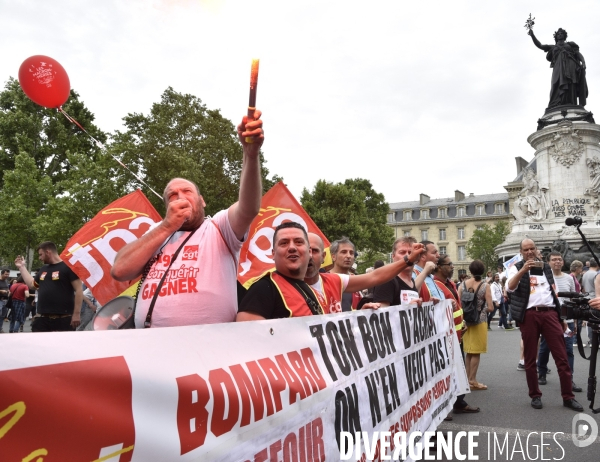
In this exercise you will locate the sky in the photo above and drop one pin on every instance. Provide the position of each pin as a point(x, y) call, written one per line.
point(417, 97)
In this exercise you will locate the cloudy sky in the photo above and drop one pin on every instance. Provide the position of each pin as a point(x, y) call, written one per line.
point(418, 97)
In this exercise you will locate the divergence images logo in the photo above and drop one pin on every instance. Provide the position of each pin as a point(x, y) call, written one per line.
point(190, 252)
point(584, 430)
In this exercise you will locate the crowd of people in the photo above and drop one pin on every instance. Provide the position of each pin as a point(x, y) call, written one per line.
point(208, 291)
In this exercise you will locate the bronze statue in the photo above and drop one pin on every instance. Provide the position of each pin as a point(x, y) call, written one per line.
point(568, 75)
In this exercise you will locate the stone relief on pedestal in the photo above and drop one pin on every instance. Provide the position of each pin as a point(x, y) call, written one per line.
point(593, 165)
point(567, 145)
point(532, 202)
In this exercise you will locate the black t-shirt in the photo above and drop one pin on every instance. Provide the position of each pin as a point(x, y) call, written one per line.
point(55, 291)
point(264, 299)
point(4, 286)
point(390, 291)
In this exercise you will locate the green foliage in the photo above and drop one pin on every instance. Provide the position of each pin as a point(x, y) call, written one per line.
point(44, 134)
point(353, 209)
point(22, 200)
point(182, 138)
point(483, 242)
point(53, 177)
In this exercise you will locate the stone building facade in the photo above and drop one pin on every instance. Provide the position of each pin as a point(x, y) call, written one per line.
point(449, 222)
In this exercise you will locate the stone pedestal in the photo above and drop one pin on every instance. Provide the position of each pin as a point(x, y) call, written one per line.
point(563, 180)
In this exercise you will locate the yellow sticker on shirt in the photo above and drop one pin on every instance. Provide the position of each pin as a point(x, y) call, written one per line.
point(55, 275)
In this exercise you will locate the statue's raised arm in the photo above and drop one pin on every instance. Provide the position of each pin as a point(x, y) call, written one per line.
point(537, 43)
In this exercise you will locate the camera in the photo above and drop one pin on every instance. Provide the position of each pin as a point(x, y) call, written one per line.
point(578, 307)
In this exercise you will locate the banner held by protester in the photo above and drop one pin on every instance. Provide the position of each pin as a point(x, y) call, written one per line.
point(265, 390)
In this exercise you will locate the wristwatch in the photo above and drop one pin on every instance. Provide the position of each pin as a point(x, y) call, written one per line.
point(407, 261)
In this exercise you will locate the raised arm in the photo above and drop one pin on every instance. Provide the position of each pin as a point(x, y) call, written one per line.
point(27, 278)
point(383, 274)
point(537, 43)
point(247, 207)
point(427, 270)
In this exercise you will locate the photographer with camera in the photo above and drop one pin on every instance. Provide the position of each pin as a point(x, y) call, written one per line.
point(535, 306)
point(564, 283)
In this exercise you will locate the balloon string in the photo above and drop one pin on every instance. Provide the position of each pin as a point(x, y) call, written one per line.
point(101, 146)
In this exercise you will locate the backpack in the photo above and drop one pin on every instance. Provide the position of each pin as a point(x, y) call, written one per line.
point(468, 301)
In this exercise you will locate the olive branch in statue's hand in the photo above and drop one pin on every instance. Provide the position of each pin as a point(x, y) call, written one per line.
point(529, 23)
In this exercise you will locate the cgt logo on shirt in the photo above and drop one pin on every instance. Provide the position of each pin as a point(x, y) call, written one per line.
point(190, 252)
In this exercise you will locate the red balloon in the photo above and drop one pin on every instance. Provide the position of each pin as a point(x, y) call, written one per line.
point(45, 81)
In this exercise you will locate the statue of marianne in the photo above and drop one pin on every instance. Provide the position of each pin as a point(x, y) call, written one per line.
point(568, 70)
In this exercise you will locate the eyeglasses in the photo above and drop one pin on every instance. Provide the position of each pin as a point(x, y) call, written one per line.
point(446, 264)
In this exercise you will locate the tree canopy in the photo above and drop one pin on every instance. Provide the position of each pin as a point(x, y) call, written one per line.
point(353, 209)
point(53, 177)
point(483, 242)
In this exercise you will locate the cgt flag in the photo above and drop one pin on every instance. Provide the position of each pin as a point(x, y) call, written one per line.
point(91, 251)
point(277, 205)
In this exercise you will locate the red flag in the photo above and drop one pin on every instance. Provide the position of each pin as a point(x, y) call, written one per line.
point(277, 206)
point(90, 253)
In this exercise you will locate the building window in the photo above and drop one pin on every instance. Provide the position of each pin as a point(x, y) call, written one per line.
point(443, 250)
point(480, 210)
point(499, 208)
point(461, 233)
point(461, 212)
point(461, 253)
point(408, 215)
point(441, 213)
point(442, 234)
point(462, 272)
point(390, 217)
point(424, 214)
point(424, 235)
point(480, 228)
point(406, 233)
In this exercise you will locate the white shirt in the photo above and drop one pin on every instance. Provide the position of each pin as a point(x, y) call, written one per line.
point(540, 291)
point(496, 292)
point(201, 287)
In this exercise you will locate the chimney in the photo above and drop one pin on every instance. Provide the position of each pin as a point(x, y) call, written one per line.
point(458, 195)
point(521, 164)
point(423, 199)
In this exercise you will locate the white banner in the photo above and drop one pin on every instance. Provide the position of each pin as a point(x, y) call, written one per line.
point(254, 391)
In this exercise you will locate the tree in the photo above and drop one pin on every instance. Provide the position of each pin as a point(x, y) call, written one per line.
point(53, 177)
point(45, 134)
point(483, 242)
point(353, 209)
point(182, 138)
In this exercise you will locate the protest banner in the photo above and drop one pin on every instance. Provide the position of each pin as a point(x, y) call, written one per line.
point(254, 391)
point(91, 251)
point(277, 205)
